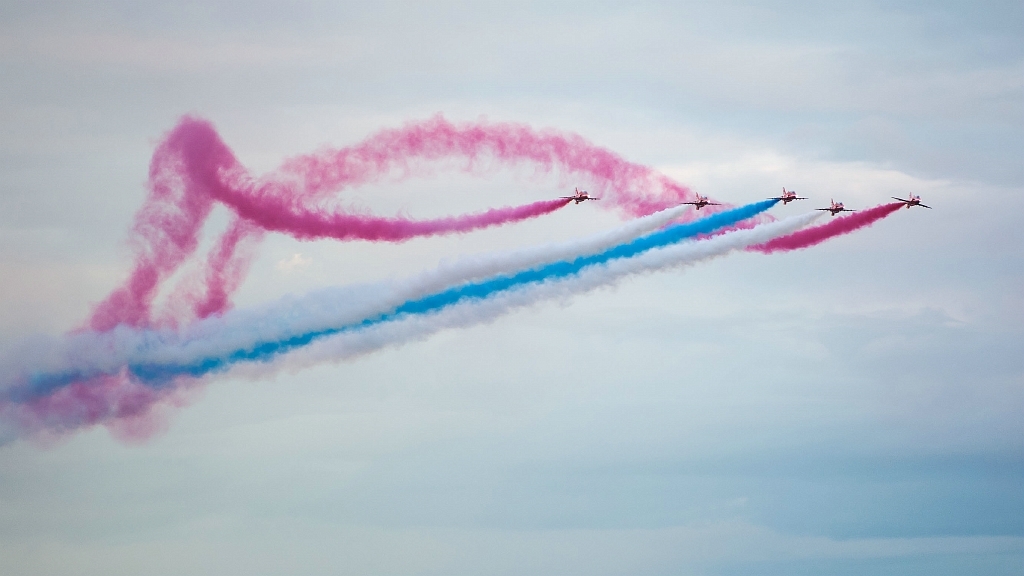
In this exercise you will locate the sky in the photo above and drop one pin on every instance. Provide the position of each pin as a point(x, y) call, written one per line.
point(853, 408)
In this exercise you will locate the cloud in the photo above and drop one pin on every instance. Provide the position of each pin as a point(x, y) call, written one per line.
point(295, 262)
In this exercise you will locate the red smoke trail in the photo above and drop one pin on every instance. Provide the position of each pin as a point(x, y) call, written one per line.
point(192, 168)
point(277, 205)
point(132, 411)
point(635, 189)
point(837, 227)
point(274, 213)
point(226, 267)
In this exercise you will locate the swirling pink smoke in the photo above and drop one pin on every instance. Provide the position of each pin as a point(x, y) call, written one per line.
point(193, 169)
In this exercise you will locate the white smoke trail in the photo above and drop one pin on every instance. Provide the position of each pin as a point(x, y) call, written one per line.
point(351, 344)
point(90, 352)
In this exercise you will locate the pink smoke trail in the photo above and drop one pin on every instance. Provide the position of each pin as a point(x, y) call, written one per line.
point(131, 411)
point(192, 168)
point(166, 228)
point(277, 206)
point(206, 290)
point(818, 234)
point(635, 189)
point(273, 213)
point(226, 267)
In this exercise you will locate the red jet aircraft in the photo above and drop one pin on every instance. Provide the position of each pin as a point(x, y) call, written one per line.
point(788, 196)
point(701, 202)
point(912, 201)
point(835, 208)
point(579, 196)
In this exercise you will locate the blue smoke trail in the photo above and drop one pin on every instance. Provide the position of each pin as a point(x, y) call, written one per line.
point(160, 374)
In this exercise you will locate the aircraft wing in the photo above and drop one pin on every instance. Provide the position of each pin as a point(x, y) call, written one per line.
point(923, 206)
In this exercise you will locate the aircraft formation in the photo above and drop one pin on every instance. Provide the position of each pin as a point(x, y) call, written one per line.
point(786, 197)
point(138, 349)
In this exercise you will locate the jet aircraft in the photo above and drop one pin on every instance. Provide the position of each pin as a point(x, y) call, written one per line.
point(835, 208)
point(912, 201)
point(579, 196)
point(701, 202)
point(788, 196)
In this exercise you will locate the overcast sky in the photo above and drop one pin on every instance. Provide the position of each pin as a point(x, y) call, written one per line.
point(855, 408)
